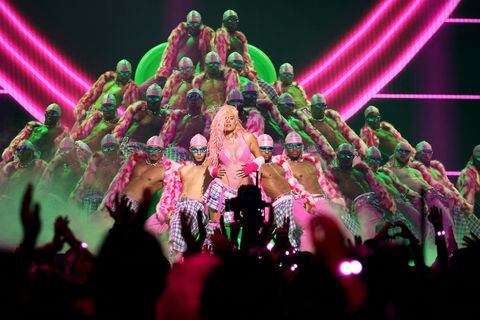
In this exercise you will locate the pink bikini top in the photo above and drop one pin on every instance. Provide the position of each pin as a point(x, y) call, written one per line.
point(237, 152)
point(232, 156)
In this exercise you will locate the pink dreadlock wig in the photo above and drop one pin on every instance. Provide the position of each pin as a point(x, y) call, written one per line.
point(217, 134)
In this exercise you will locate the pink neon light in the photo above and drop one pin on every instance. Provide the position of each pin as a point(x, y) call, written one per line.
point(35, 110)
point(42, 46)
point(398, 24)
point(402, 60)
point(426, 96)
point(2, 91)
point(28, 67)
point(348, 43)
point(453, 173)
point(462, 20)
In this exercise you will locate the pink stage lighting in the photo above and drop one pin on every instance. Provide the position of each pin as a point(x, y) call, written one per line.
point(43, 47)
point(427, 96)
point(354, 37)
point(361, 66)
point(462, 20)
point(376, 48)
point(25, 64)
point(36, 111)
point(29, 63)
point(453, 173)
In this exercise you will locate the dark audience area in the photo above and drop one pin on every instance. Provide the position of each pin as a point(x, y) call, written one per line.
point(259, 275)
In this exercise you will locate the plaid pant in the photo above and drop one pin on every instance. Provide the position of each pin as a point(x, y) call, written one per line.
point(215, 195)
point(351, 223)
point(465, 224)
point(92, 200)
point(189, 207)
point(283, 209)
point(369, 214)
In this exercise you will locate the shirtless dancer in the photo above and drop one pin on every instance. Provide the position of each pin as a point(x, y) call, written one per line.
point(306, 179)
point(380, 134)
point(142, 120)
point(368, 199)
point(101, 170)
point(247, 112)
point(66, 168)
point(401, 167)
point(285, 84)
point(408, 202)
point(119, 83)
point(434, 173)
point(26, 168)
point(139, 173)
point(228, 39)
point(98, 124)
point(190, 39)
point(192, 177)
point(233, 154)
point(44, 137)
point(299, 123)
point(193, 122)
point(261, 110)
point(469, 181)
point(276, 187)
point(265, 90)
point(178, 84)
point(215, 83)
point(174, 99)
point(331, 125)
point(286, 106)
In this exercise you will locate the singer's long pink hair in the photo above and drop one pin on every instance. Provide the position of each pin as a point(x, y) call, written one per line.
point(217, 134)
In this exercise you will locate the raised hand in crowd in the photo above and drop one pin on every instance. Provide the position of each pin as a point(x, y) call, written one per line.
point(125, 216)
point(435, 218)
point(30, 218)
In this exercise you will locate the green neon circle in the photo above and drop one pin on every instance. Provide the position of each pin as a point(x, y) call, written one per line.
point(148, 65)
